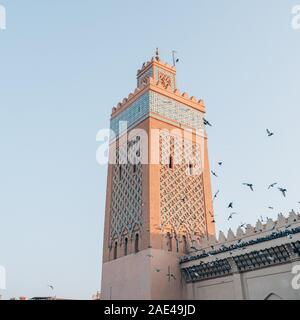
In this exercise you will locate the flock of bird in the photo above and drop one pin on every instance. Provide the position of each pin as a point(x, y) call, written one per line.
point(246, 184)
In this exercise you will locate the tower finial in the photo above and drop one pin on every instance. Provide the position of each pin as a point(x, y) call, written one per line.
point(157, 54)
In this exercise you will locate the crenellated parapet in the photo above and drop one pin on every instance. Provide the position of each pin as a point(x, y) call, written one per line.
point(261, 232)
point(159, 77)
point(159, 87)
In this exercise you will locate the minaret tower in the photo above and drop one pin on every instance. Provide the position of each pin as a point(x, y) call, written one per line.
point(158, 188)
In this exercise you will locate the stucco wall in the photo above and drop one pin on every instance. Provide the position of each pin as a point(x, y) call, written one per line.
point(143, 276)
point(268, 283)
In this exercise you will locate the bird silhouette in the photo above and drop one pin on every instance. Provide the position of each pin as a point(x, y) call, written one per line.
point(250, 185)
point(220, 163)
point(270, 134)
point(230, 206)
point(51, 287)
point(231, 215)
point(272, 185)
point(283, 191)
point(207, 123)
point(214, 174)
point(172, 276)
point(216, 194)
point(271, 208)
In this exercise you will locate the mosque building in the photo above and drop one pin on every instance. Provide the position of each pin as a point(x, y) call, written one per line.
point(159, 237)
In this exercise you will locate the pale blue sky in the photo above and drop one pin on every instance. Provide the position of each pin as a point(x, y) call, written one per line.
point(64, 64)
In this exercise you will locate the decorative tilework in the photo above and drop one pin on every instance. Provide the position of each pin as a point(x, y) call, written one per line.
point(137, 111)
point(146, 75)
point(174, 110)
point(170, 75)
point(163, 106)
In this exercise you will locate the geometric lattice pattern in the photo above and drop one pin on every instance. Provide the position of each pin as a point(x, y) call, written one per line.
point(162, 74)
point(126, 202)
point(181, 187)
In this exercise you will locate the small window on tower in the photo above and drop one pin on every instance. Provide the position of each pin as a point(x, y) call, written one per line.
point(126, 246)
point(169, 241)
point(136, 244)
point(116, 250)
point(190, 169)
point(171, 163)
point(120, 172)
point(134, 168)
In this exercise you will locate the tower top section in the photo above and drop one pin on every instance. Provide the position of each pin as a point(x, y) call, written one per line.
point(159, 77)
point(159, 71)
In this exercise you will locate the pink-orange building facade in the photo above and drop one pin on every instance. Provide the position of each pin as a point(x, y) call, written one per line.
point(158, 189)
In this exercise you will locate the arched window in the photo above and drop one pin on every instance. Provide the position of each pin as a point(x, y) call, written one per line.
point(169, 241)
point(116, 250)
point(126, 246)
point(136, 243)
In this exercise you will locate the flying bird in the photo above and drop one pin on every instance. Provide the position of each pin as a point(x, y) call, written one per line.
point(220, 163)
point(51, 287)
point(214, 174)
point(216, 194)
point(271, 208)
point(171, 276)
point(207, 123)
point(283, 191)
point(230, 205)
point(272, 185)
point(231, 215)
point(270, 134)
point(250, 185)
